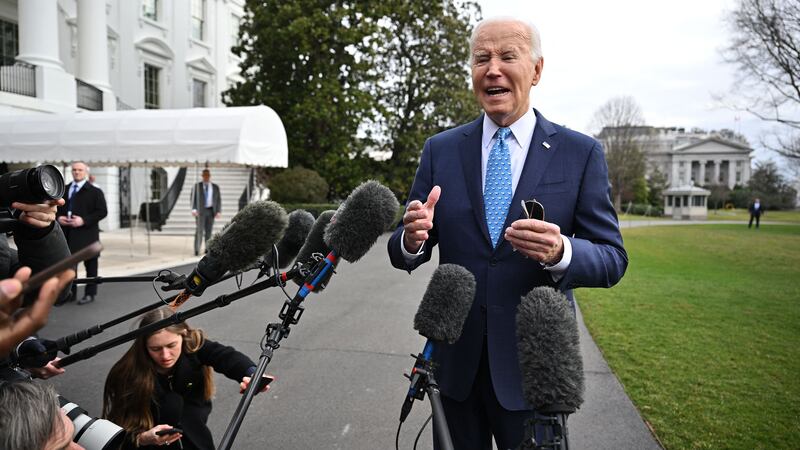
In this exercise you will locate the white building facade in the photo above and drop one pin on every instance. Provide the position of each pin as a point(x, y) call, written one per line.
point(60, 56)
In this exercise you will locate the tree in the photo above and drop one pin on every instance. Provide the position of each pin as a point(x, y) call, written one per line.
point(310, 61)
point(426, 84)
point(353, 78)
point(767, 183)
point(766, 52)
point(656, 183)
point(621, 126)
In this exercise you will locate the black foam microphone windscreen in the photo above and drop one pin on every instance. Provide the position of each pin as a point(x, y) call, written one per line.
point(366, 213)
point(549, 350)
point(314, 241)
point(249, 235)
point(446, 303)
point(300, 223)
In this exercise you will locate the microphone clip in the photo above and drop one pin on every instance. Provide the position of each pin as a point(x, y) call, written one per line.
point(421, 377)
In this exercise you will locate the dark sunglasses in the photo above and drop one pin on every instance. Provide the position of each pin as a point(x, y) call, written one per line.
point(533, 209)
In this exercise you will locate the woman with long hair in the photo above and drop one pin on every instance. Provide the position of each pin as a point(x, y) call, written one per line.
point(160, 391)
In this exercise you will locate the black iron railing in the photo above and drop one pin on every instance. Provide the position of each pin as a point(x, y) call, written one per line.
point(19, 78)
point(89, 96)
point(160, 210)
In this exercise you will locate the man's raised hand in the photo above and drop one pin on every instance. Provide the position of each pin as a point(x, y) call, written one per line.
point(418, 219)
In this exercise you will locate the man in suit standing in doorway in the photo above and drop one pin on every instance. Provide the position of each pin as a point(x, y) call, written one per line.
point(84, 207)
point(475, 178)
point(206, 206)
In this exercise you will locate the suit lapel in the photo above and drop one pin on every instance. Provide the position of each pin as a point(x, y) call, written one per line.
point(536, 163)
point(470, 149)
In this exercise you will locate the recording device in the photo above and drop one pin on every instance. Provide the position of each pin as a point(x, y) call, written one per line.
point(357, 224)
point(251, 233)
point(440, 318)
point(551, 364)
point(168, 431)
point(90, 432)
point(314, 247)
point(300, 224)
point(34, 352)
point(35, 185)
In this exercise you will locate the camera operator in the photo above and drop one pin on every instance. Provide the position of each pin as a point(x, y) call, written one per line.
point(31, 418)
point(40, 243)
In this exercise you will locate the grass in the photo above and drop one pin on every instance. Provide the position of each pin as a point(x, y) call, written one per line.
point(704, 333)
point(742, 214)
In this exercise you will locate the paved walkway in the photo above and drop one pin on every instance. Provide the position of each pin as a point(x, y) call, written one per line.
point(607, 420)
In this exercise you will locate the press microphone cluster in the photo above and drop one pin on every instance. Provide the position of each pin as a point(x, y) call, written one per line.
point(298, 229)
point(551, 364)
point(250, 234)
point(440, 318)
point(349, 233)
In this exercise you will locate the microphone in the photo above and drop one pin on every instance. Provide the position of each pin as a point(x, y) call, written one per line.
point(300, 224)
point(314, 242)
point(550, 360)
point(440, 318)
point(366, 213)
point(251, 233)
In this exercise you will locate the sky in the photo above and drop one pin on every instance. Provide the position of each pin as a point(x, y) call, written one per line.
point(666, 55)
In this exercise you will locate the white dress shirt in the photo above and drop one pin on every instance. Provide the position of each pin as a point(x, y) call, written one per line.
point(522, 132)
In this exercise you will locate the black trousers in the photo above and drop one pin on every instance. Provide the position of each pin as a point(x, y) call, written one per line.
point(474, 421)
point(91, 271)
point(758, 219)
point(205, 227)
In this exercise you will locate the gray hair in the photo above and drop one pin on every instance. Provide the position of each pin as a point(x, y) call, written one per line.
point(29, 415)
point(535, 40)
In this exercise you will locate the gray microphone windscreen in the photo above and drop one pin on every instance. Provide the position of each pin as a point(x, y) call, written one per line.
point(366, 213)
point(300, 223)
point(446, 303)
point(250, 234)
point(314, 241)
point(549, 350)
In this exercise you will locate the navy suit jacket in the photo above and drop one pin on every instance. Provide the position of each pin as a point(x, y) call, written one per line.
point(570, 179)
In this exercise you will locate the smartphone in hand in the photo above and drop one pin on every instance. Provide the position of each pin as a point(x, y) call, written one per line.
point(168, 431)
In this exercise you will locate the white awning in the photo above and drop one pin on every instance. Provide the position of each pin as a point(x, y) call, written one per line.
point(250, 136)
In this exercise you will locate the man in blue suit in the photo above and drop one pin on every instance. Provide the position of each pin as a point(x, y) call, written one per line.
point(469, 173)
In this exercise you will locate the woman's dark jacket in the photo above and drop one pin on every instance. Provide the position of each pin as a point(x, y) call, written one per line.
point(178, 397)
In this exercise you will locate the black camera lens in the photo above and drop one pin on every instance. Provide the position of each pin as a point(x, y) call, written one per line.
point(35, 185)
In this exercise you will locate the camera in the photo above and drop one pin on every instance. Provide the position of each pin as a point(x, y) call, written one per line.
point(90, 432)
point(35, 185)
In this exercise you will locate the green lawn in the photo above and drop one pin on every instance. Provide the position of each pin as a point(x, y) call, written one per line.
point(704, 333)
point(743, 214)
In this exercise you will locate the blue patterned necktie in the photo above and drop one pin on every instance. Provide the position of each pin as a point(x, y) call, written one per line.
point(497, 190)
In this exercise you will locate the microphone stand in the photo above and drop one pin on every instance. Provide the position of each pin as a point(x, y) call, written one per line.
point(422, 381)
point(290, 314)
point(552, 423)
point(219, 302)
point(63, 344)
point(101, 280)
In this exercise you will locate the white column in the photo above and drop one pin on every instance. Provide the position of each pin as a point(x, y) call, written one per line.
point(674, 182)
point(717, 163)
point(731, 173)
point(38, 45)
point(702, 178)
point(93, 49)
point(38, 33)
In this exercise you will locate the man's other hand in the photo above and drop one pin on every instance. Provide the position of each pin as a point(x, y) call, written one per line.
point(536, 239)
point(38, 215)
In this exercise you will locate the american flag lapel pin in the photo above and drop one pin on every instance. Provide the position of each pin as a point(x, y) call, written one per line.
point(545, 144)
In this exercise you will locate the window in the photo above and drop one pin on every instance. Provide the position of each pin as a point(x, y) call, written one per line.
point(9, 43)
point(150, 9)
point(669, 200)
point(151, 87)
point(697, 200)
point(198, 93)
point(234, 30)
point(198, 19)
